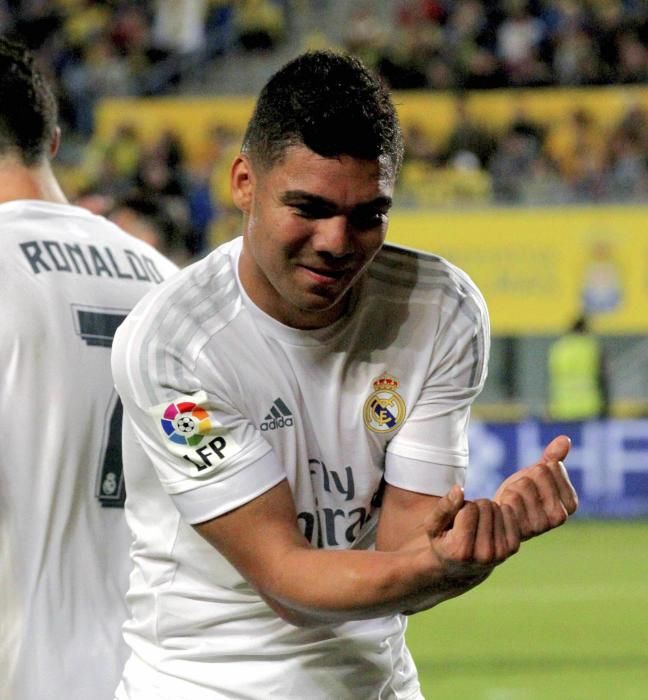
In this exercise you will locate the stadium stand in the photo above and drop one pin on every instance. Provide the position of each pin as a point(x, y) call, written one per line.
point(513, 103)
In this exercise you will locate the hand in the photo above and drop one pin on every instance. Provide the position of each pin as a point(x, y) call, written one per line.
point(467, 540)
point(541, 495)
point(471, 537)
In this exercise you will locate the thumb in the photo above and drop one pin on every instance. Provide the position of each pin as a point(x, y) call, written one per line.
point(444, 512)
point(557, 449)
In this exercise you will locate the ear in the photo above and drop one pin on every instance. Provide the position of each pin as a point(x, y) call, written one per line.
point(55, 142)
point(242, 182)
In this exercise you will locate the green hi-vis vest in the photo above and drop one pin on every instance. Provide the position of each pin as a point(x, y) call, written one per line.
point(574, 378)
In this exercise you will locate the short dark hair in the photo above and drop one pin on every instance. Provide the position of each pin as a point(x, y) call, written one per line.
point(28, 111)
point(328, 102)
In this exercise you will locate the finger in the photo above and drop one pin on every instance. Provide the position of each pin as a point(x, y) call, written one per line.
point(484, 550)
point(461, 539)
point(511, 498)
point(444, 512)
point(557, 450)
point(568, 494)
point(546, 478)
point(511, 529)
point(524, 498)
point(499, 535)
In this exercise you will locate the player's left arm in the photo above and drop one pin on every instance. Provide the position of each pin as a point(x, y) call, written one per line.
point(532, 501)
point(540, 496)
point(430, 452)
point(404, 516)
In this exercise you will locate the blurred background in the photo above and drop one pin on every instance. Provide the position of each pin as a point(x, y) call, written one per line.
point(526, 127)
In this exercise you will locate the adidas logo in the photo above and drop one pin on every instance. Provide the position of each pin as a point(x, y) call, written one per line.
point(279, 417)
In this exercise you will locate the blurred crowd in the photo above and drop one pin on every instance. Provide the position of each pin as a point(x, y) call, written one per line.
point(105, 48)
point(477, 44)
point(93, 49)
point(569, 161)
point(98, 48)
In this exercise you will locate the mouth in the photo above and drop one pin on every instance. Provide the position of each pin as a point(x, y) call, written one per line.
point(326, 275)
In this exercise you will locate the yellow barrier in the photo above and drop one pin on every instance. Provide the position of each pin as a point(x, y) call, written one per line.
point(433, 112)
point(536, 267)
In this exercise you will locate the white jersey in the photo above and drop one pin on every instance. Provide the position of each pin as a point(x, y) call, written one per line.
point(67, 279)
point(224, 402)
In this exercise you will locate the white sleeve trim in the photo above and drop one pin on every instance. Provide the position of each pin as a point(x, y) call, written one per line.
point(453, 458)
point(219, 497)
point(423, 477)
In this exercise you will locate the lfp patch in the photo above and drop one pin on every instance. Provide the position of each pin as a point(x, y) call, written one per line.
point(185, 423)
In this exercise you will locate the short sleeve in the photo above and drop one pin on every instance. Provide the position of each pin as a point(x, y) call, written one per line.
point(430, 452)
point(207, 458)
point(207, 455)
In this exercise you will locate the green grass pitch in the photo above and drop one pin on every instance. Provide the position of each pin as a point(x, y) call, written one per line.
point(565, 619)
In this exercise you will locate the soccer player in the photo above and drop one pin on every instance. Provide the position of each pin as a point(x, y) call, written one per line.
point(67, 280)
point(297, 409)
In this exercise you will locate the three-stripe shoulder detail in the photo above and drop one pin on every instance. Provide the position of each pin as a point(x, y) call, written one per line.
point(196, 304)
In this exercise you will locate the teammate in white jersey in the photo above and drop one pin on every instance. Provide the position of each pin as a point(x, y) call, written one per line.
point(67, 279)
point(297, 410)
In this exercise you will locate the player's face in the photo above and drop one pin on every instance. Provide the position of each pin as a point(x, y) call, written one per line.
point(312, 226)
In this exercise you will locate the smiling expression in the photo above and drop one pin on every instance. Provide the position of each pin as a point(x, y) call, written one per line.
point(312, 225)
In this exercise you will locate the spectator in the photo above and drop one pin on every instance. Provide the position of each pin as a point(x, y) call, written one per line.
point(97, 49)
point(260, 24)
point(512, 164)
point(633, 59)
point(111, 166)
point(578, 388)
point(518, 41)
point(141, 218)
point(575, 60)
point(628, 162)
point(578, 148)
point(365, 36)
point(468, 136)
point(157, 182)
point(468, 46)
point(203, 211)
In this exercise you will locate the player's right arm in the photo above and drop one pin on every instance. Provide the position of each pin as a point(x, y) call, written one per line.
point(460, 545)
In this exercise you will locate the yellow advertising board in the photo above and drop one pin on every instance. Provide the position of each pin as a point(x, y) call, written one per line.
point(538, 268)
point(435, 112)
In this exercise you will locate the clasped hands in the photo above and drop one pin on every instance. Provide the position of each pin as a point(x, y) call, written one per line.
point(469, 538)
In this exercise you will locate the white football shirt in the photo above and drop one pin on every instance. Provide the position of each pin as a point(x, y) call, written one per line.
point(224, 402)
point(67, 280)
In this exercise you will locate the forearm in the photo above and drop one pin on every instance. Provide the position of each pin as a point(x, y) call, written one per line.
point(305, 585)
point(308, 586)
point(428, 599)
point(336, 586)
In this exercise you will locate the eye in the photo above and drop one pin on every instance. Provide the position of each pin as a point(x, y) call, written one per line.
point(365, 220)
point(312, 211)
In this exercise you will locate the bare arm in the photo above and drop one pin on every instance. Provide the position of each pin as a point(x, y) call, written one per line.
point(532, 501)
point(306, 585)
point(429, 548)
point(406, 515)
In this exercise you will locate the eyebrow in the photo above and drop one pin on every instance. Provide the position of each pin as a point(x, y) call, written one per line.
point(292, 197)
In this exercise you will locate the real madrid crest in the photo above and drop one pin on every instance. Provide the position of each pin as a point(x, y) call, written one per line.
point(384, 410)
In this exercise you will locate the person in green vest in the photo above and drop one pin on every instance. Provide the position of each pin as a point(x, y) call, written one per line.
point(577, 380)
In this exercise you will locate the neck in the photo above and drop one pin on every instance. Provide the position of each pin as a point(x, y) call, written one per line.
point(18, 181)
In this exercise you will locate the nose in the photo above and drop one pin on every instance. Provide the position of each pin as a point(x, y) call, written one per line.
point(333, 237)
